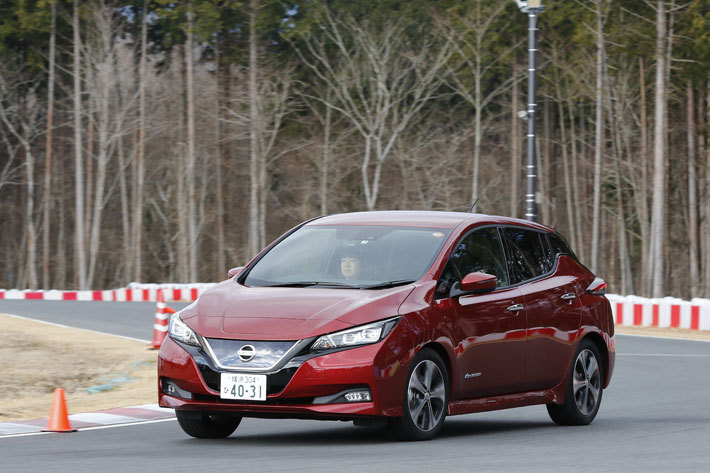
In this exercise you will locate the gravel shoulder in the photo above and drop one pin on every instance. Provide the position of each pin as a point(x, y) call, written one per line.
point(98, 371)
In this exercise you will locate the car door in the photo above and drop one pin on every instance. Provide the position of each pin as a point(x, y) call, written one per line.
point(491, 347)
point(552, 306)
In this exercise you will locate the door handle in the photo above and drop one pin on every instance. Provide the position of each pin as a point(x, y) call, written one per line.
point(568, 296)
point(515, 307)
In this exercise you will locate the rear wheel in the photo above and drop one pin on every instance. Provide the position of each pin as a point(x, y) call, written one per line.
point(584, 388)
point(203, 425)
point(426, 398)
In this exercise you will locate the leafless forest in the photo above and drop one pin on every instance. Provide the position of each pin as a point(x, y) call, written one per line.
point(172, 145)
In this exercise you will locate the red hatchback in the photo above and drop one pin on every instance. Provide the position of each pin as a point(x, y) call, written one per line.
point(405, 317)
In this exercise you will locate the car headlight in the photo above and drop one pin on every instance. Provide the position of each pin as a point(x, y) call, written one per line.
point(362, 335)
point(178, 330)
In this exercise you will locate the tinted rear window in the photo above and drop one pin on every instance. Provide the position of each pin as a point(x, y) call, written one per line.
point(528, 254)
point(560, 246)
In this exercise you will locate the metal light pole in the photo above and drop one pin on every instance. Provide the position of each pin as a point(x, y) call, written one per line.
point(532, 8)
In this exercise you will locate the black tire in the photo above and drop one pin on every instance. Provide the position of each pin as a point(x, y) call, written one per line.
point(424, 405)
point(584, 388)
point(204, 425)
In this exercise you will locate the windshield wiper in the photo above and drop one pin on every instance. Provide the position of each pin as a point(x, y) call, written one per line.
point(384, 285)
point(313, 284)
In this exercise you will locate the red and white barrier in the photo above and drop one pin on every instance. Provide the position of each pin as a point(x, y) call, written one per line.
point(133, 293)
point(664, 312)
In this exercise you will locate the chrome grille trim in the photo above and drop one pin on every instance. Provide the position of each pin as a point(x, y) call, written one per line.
point(297, 347)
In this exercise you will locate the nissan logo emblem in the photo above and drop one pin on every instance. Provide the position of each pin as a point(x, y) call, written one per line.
point(246, 353)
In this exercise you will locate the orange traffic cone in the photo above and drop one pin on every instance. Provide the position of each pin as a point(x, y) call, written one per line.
point(160, 326)
point(58, 418)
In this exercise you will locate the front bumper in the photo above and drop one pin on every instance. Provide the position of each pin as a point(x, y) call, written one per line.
point(292, 389)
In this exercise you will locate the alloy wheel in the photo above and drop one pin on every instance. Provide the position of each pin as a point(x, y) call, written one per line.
point(426, 395)
point(586, 382)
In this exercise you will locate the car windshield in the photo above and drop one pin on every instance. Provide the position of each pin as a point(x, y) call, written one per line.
point(349, 256)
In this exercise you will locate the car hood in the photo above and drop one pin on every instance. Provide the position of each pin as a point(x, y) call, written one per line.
point(231, 310)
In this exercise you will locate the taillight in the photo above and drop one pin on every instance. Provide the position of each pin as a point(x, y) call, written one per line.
point(597, 288)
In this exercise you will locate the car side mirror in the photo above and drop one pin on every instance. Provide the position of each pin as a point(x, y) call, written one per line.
point(478, 283)
point(234, 271)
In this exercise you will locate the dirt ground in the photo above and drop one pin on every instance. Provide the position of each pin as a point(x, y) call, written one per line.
point(97, 371)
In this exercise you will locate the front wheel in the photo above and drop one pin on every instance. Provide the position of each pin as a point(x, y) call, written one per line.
point(426, 398)
point(203, 425)
point(584, 388)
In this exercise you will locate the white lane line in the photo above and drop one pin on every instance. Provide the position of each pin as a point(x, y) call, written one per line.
point(665, 354)
point(76, 328)
point(92, 428)
point(681, 339)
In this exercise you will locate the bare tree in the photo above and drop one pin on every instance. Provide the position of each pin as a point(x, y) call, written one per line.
point(692, 193)
point(20, 113)
point(137, 233)
point(656, 253)
point(46, 200)
point(107, 118)
point(79, 246)
point(255, 160)
point(598, 140)
point(377, 82)
point(190, 163)
point(471, 35)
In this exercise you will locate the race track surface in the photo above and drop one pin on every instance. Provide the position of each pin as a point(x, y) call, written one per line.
point(655, 416)
point(129, 319)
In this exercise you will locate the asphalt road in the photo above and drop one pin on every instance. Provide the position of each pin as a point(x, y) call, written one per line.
point(655, 416)
point(129, 319)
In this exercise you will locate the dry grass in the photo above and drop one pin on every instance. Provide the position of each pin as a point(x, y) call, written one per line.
point(37, 358)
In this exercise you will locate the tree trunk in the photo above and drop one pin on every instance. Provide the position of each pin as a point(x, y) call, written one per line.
point(222, 77)
point(31, 231)
point(656, 255)
point(598, 144)
point(575, 184)
point(182, 235)
point(140, 155)
point(566, 166)
point(79, 247)
point(190, 167)
point(476, 132)
point(515, 144)
point(94, 236)
point(627, 286)
point(692, 194)
point(46, 200)
point(254, 217)
point(643, 197)
point(60, 273)
point(89, 178)
point(326, 157)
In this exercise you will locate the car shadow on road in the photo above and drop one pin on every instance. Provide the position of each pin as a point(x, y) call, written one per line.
point(371, 435)
point(473, 427)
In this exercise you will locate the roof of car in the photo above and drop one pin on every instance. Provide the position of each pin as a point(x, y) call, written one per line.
point(420, 218)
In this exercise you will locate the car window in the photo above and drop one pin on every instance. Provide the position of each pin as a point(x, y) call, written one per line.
point(357, 256)
point(528, 254)
point(560, 246)
point(480, 251)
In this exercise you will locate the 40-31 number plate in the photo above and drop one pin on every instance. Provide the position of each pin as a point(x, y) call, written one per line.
point(250, 387)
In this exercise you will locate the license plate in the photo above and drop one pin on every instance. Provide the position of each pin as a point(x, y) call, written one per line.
point(250, 387)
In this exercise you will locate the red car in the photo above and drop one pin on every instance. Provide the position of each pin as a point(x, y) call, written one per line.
point(405, 317)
